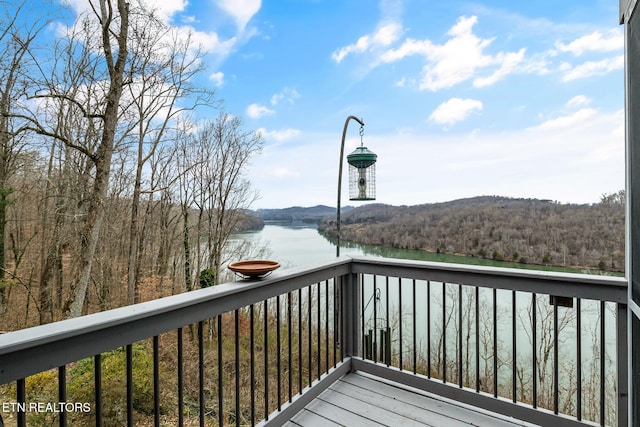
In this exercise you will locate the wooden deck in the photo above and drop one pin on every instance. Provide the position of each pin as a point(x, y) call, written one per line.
point(359, 399)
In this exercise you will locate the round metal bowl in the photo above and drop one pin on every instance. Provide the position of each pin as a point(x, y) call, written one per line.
point(253, 268)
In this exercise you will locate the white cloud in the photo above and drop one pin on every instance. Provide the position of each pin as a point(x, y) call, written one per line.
point(279, 135)
point(384, 36)
point(508, 63)
point(455, 110)
point(566, 122)
point(458, 59)
point(255, 111)
point(592, 68)
point(577, 164)
point(578, 101)
point(287, 95)
point(217, 78)
point(241, 10)
point(611, 41)
point(284, 172)
point(167, 11)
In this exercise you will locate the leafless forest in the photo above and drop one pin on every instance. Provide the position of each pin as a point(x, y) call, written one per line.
point(121, 178)
point(527, 231)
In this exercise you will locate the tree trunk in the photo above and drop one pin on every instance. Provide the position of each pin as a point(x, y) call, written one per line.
point(103, 157)
point(133, 294)
point(187, 246)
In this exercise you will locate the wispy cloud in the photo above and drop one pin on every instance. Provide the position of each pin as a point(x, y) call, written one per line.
point(466, 56)
point(385, 35)
point(241, 10)
point(280, 135)
point(611, 41)
point(579, 101)
point(287, 95)
point(255, 111)
point(284, 172)
point(217, 78)
point(462, 57)
point(592, 68)
point(455, 110)
point(568, 121)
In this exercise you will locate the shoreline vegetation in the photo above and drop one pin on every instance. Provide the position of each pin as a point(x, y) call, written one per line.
point(530, 232)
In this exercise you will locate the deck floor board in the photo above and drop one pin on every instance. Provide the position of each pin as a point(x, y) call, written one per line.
point(359, 399)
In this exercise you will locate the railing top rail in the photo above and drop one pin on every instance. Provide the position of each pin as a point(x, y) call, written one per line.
point(33, 350)
point(588, 286)
point(28, 351)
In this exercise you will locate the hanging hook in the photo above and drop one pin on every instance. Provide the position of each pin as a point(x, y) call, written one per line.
point(362, 135)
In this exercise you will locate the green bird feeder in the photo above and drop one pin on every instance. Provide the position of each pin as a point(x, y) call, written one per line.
point(362, 174)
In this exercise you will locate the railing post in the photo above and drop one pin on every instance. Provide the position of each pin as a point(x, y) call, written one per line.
point(350, 296)
point(622, 361)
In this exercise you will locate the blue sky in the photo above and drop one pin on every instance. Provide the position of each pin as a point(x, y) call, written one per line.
point(459, 98)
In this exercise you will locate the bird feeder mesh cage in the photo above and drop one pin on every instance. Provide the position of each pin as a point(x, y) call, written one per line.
point(362, 174)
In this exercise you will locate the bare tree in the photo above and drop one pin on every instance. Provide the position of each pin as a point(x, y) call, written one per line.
point(228, 192)
point(163, 67)
point(16, 62)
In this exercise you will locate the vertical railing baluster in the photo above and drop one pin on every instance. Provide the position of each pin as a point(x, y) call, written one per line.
point(387, 343)
point(444, 332)
point(300, 340)
point(534, 350)
point(289, 343)
point(335, 321)
point(278, 351)
point(477, 331)
point(156, 382)
point(622, 362)
point(415, 339)
point(495, 342)
point(220, 373)
point(201, 372)
point(326, 325)
point(374, 338)
point(97, 365)
point(603, 378)
point(556, 370)
point(362, 324)
point(514, 377)
point(579, 359)
point(459, 335)
point(180, 381)
point(400, 320)
point(428, 329)
point(252, 360)
point(310, 331)
point(339, 317)
point(265, 348)
point(236, 333)
point(129, 374)
point(62, 393)
point(21, 398)
point(318, 330)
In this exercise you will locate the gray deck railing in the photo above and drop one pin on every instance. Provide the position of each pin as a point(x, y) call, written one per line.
point(253, 352)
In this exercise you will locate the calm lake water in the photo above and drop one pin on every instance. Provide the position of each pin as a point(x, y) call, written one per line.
point(299, 245)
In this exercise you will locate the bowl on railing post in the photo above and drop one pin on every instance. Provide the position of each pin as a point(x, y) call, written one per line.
point(253, 269)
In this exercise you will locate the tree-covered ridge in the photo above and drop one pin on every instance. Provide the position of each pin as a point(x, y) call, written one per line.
point(529, 231)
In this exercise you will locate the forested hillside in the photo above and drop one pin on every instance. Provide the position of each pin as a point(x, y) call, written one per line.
point(521, 230)
point(121, 178)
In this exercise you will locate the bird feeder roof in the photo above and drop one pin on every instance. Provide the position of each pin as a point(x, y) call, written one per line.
point(362, 157)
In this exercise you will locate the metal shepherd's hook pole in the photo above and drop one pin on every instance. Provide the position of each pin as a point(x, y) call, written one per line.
point(344, 134)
